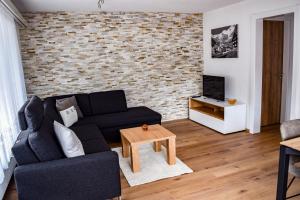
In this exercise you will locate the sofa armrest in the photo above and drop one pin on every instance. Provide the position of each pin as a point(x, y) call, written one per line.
point(93, 176)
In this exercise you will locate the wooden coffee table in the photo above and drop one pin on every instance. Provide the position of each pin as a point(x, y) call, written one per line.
point(133, 137)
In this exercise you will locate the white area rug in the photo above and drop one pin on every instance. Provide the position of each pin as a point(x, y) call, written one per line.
point(153, 166)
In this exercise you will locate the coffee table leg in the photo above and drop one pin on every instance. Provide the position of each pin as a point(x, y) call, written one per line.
point(125, 147)
point(135, 160)
point(171, 148)
point(157, 146)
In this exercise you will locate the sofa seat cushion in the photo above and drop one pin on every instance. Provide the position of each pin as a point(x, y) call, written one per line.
point(112, 134)
point(86, 132)
point(135, 115)
point(95, 145)
point(91, 138)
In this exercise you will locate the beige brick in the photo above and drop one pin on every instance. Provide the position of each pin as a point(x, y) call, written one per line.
point(157, 58)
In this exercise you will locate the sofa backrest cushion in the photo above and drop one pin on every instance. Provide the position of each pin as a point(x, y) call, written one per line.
point(22, 118)
point(22, 151)
point(44, 143)
point(50, 111)
point(108, 102)
point(34, 113)
point(82, 101)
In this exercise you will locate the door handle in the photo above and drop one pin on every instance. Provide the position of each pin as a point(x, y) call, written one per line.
point(281, 76)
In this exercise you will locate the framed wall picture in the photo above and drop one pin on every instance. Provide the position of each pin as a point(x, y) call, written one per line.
point(224, 42)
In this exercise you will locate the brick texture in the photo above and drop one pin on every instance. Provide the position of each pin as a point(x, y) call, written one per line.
point(157, 58)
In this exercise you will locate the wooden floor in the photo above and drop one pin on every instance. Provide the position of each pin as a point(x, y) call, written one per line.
point(238, 166)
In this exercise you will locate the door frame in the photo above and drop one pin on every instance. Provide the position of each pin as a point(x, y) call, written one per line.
point(256, 57)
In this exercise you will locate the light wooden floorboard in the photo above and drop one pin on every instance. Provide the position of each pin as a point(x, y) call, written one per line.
point(237, 166)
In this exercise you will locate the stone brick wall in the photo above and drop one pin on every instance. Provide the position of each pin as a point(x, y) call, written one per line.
point(157, 58)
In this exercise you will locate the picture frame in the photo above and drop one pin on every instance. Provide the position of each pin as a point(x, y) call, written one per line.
point(224, 42)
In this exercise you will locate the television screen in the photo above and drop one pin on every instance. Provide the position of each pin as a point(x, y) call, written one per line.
point(214, 87)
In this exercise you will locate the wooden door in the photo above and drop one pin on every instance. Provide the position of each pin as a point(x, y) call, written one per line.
point(272, 72)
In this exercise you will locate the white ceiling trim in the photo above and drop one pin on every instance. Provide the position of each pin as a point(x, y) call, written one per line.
point(181, 6)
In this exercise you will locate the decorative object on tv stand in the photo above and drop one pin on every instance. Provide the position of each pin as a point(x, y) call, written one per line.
point(224, 42)
point(231, 101)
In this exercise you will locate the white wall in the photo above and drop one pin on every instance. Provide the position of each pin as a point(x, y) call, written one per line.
point(287, 66)
point(239, 82)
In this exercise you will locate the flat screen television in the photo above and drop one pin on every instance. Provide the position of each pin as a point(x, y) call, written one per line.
point(214, 87)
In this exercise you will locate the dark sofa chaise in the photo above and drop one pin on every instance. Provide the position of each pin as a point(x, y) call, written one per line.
point(43, 171)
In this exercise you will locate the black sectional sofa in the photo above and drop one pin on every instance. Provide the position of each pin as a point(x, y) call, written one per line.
point(43, 171)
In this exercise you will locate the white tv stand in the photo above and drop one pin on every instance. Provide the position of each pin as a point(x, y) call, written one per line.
point(218, 115)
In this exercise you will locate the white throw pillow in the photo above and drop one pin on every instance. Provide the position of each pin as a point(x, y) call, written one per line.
point(69, 116)
point(68, 140)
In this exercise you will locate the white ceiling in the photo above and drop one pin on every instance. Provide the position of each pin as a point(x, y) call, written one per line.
point(183, 6)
